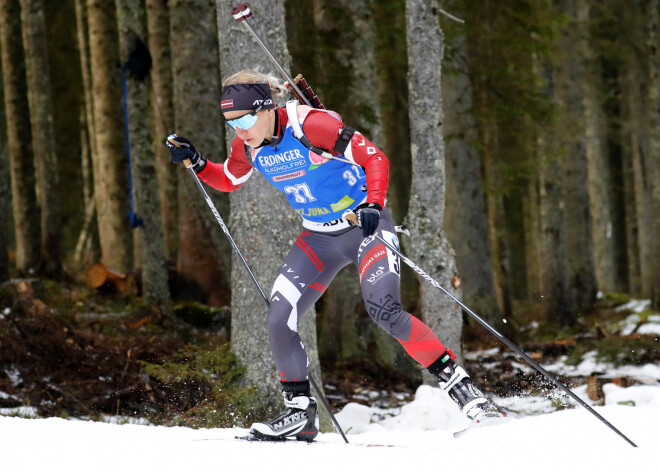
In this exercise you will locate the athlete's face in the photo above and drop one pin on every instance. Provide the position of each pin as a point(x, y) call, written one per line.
point(253, 128)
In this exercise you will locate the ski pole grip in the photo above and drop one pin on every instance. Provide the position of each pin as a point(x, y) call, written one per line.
point(186, 162)
point(352, 218)
point(241, 12)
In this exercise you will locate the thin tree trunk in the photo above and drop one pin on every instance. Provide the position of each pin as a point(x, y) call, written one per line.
point(430, 247)
point(260, 218)
point(553, 272)
point(158, 24)
point(5, 196)
point(630, 163)
point(599, 171)
point(653, 25)
point(638, 133)
point(132, 36)
point(19, 139)
point(87, 248)
point(110, 168)
point(43, 136)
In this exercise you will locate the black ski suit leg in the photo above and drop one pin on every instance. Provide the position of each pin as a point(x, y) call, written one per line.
point(308, 269)
point(379, 270)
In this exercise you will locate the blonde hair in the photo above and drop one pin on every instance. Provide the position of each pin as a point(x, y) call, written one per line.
point(278, 90)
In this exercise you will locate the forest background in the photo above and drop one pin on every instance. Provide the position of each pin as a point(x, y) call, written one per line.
point(523, 139)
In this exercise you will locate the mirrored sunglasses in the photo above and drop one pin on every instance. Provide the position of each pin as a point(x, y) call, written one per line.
point(244, 122)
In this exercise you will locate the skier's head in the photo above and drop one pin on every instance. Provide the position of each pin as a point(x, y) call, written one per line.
point(248, 101)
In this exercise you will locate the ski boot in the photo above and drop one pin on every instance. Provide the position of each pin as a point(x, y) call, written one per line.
point(300, 420)
point(467, 396)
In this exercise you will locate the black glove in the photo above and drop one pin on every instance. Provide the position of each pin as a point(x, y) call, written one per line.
point(182, 149)
point(368, 216)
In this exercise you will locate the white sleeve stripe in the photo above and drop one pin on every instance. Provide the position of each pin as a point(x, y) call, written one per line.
point(234, 180)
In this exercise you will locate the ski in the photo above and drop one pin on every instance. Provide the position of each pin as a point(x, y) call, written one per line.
point(252, 438)
point(482, 422)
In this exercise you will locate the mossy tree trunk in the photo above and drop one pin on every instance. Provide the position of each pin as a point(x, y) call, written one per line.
point(43, 137)
point(19, 139)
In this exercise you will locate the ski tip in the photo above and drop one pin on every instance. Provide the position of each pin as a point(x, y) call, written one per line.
point(479, 423)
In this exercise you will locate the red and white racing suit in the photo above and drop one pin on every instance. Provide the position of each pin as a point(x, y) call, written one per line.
point(323, 248)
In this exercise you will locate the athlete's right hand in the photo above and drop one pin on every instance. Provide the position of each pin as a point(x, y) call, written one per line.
point(181, 149)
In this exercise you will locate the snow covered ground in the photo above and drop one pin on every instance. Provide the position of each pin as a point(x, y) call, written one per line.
point(539, 437)
point(421, 434)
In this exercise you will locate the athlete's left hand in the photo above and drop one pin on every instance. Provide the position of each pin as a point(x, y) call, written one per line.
point(368, 216)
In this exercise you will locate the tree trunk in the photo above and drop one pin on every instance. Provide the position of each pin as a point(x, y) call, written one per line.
point(554, 285)
point(5, 197)
point(609, 53)
point(430, 248)
point(203, 254)
point(88, 249)
point(110, 168)
point(482, 52)
point(465, 212)
point(132, 35)
point(260, 218)
point(599, 171)
point(637, 118)
point(19, 139)
point(392, 61)
point(158, 23)
point(43, 136)
point(346, 40)
point(653, 25)
point(576, 203)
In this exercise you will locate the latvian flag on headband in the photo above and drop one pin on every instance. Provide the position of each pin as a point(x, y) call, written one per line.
point(226, 104)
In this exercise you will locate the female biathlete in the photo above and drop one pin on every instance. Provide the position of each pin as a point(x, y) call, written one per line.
point(277, 142)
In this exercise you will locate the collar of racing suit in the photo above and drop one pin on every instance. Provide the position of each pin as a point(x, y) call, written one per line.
point(280, 126)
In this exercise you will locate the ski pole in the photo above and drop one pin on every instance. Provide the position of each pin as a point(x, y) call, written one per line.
point(353, 219)
point(225, 229)
point(242, 13)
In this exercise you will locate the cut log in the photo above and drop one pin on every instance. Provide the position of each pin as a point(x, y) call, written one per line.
point(98, 275)
point(595, 386)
